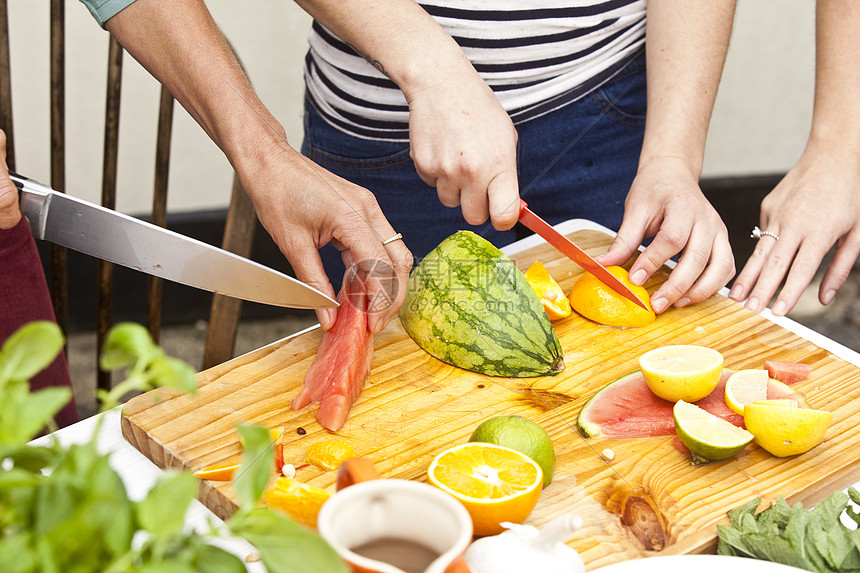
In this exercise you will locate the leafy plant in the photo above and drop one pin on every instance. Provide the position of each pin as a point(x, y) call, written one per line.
point(814, 539)
point(65, 509)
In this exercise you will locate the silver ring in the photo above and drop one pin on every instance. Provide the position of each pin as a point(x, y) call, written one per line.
point(397, 237)
point(758, 234)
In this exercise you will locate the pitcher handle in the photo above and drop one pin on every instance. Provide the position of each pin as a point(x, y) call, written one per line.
point(355, 470)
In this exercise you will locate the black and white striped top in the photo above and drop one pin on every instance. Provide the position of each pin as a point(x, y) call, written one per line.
point(536, 55)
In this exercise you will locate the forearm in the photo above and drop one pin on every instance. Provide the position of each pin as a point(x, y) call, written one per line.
point(836, 116)
point(686, 49)
point(398, 38)
point(180, 45)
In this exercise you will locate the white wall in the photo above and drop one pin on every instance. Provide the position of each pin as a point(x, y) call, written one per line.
point(764, 104)
point(759, 126)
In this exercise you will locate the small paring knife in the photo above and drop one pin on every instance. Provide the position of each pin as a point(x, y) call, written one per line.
point(130, 242)
point(577, 255)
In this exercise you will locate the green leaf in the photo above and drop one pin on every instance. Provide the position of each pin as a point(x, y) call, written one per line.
point(33, 458)
point(24, 414)
point(173, 373)
point(29, 350)
point(162, 512)
point(211, 559)
point(168, 567)
point(17, 554)
point(256, 466)
point(125, 344)
point(284, 546)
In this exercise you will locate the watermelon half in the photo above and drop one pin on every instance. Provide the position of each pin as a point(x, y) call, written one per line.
point(627, 408)
point(468, 305)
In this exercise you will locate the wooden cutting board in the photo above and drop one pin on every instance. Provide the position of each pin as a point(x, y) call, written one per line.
point(649, 500)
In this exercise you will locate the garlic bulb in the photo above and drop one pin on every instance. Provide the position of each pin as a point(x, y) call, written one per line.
point(525, 548)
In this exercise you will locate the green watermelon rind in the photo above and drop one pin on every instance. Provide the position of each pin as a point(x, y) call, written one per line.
point(592, 429)
point(469, 306)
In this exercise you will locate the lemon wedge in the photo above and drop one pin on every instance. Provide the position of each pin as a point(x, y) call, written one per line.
point(708, 437)
point(785, 431)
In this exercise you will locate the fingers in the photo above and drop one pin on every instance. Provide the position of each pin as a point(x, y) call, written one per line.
point(306, 263)
point(10, 212)
point(839, 269)
point(504, 195)
point(704, 267)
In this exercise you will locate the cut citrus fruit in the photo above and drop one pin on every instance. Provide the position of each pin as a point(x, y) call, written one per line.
point(301, 501)
point(496, 484)
point(327, 455)
point(683, 372)
point(222, 471)
point(550, 294)
point(519, 434)
point(786, 431)
point(784, 402)
point(745, 387)
point(596, 301)
point(708, 437)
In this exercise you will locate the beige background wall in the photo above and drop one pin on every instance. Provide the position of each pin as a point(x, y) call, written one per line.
point(759, 126)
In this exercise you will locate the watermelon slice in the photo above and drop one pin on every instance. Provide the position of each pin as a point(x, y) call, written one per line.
point(626, 408)
point(788, 372)
point(342, 364)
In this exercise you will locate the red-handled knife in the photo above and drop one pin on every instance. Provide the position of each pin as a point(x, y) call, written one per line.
point(577, 255)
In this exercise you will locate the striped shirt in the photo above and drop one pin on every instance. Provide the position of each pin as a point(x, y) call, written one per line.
point(536, 55)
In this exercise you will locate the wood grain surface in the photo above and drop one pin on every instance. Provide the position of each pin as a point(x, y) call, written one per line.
point(649, 500)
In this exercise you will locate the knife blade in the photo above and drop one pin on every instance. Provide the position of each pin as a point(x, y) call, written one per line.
point(566, 246)
point(124, 240)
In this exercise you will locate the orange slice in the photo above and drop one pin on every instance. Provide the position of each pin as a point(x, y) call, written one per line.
point(301, 501)
point(328, 455)
point(494, 483)
point(596, 301)
point(222, 471)
point(549, 293)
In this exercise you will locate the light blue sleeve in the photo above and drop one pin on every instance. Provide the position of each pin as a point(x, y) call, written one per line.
point(104, 10)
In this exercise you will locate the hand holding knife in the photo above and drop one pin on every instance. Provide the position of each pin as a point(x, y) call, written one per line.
point(580, 257)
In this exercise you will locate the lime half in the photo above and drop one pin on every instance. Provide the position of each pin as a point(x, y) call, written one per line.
point(708, 437)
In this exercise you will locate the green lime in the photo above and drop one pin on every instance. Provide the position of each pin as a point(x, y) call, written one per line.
point(708, 437)
point(519, 434)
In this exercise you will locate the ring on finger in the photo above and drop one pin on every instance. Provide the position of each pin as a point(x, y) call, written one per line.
point(397, 237)
point(758, 234)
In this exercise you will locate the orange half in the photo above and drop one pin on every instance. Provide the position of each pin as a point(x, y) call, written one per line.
point(596, 301)
point(496, 484)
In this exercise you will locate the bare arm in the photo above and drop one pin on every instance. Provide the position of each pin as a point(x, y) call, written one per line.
point(685, 50)
point(301, 205)
point(462, 140)
point(817, 204)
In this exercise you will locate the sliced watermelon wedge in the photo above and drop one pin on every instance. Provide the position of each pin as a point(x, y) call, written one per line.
point(788, 372)
point(626, 408)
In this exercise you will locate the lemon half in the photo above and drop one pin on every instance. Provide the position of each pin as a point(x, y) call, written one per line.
point(683, 372)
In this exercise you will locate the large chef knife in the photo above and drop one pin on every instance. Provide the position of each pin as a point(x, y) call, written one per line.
point(130, 242)
point(580, 257)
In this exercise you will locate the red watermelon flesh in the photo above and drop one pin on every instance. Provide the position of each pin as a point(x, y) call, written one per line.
point(342, 364)
point(627, 408)
point(787, 372)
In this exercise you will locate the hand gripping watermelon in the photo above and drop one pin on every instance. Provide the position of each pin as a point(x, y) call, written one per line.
point(468, 305)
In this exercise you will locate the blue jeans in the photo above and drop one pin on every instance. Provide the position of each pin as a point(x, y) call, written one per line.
point(576, 162)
